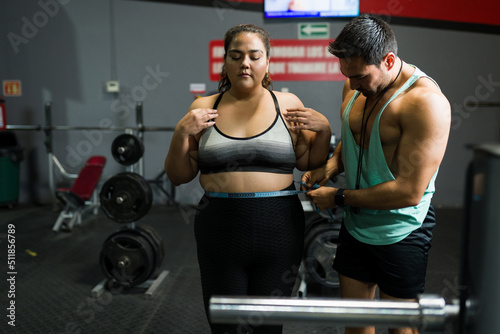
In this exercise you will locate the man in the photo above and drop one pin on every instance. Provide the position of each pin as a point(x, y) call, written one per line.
point(395, 127)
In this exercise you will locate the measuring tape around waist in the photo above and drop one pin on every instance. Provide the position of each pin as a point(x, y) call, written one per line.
point(278, 193)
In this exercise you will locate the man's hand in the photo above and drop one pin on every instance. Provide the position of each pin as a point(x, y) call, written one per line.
point(315, 176)
point(323, 197)
point(307, 119)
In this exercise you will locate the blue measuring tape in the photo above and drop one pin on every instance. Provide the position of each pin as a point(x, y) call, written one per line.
point(255, 195)
point(278, 193)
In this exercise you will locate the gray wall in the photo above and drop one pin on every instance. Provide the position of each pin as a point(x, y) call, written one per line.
point(76, 46)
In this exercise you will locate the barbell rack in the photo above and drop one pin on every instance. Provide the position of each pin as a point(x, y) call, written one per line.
point(48, 127)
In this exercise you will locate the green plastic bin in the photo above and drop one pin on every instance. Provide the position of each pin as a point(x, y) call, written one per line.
point(10, 157)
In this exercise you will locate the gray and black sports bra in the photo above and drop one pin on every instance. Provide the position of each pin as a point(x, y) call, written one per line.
point(270, 151)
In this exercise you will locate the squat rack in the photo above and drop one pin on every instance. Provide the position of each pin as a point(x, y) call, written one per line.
point(53, 161)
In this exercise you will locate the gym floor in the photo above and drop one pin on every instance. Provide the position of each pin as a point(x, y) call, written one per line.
point(56, 272)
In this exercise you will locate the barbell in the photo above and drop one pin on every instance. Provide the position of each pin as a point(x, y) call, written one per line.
point(430, 313)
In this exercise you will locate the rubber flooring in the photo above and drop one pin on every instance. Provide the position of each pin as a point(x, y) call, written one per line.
point(54, 274)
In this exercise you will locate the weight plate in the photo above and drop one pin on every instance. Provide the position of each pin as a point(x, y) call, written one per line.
point(154, 239)
point(127, 149)
point(130, 256)
point(127, 258)
point(126, 197)
point(321, 246)
point(312, 222)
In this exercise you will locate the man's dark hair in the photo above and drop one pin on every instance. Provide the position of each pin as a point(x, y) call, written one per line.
point(367, 36)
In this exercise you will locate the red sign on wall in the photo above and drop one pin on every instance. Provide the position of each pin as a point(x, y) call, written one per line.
point(12, 88)
point(291, 60)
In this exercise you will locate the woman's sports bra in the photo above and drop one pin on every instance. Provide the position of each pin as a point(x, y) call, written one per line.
point(270, 151)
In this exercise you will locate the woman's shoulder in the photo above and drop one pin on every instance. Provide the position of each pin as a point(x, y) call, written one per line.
point(288, 100)
point(204, 102)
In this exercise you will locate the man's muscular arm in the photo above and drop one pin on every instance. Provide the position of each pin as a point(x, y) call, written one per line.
point(425, 124)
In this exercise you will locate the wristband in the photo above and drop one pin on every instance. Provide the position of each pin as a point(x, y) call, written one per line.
point(340, 198)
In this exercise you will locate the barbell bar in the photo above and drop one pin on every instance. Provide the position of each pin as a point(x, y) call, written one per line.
point(69, 128)
point(49, 127)
point(430, 313)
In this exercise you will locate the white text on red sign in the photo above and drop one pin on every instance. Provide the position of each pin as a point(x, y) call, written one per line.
point(291, 60)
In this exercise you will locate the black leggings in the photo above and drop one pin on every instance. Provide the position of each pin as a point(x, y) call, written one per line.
point(250, 247)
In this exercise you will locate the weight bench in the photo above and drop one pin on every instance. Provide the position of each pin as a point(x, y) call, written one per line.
point(82, 196)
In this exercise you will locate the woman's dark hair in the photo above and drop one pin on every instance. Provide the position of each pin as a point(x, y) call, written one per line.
point(367, 36)
point(224, 83)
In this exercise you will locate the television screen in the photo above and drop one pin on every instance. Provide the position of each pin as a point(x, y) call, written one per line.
point(310, 8)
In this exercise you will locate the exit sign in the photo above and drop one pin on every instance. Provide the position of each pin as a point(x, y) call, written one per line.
point(12, 88)
point(314, 30)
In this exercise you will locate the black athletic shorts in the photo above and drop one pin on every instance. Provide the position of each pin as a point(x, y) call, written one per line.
point(398, 269)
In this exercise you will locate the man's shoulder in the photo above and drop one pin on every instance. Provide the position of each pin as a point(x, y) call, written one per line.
point(423, 98)
point(423, 89)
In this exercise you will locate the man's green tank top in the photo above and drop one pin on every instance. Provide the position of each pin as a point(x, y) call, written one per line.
point(378, 227)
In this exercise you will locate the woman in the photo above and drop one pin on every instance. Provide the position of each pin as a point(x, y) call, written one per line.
point(239, 141)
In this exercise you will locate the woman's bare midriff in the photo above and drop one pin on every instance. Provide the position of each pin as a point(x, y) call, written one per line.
point(243, 182)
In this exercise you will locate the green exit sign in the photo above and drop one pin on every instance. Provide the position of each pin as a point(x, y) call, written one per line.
point(314, 30)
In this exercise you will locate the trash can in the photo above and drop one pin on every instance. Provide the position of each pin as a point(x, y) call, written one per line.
point(10, 157)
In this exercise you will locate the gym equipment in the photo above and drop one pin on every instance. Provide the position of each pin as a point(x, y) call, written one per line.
point(127, 149)
point(10, 157)
point(320, 247)
point(126, 197)
point(320, 244)
point(82, 196)
point(429, 314)
point(3, 120)
point(480, 274)
point(54, 164)
point(131, 255)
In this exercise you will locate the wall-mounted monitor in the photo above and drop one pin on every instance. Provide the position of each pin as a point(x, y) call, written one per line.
point(310, 8)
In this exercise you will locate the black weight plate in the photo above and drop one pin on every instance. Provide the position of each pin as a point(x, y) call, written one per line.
point(126, 197)
point(141, 182)
point(321, 246)
point(154, 239)
point(127, 258)
point(127, 149)
point(313, 221)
